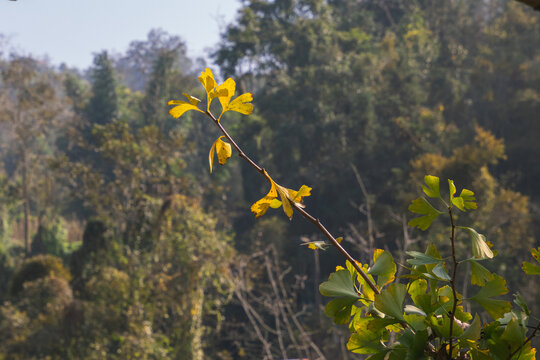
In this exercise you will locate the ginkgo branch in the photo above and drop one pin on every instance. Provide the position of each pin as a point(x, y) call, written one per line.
point(304, 213)
point(452, 282)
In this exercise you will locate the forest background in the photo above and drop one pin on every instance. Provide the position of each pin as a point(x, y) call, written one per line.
point(116, 242)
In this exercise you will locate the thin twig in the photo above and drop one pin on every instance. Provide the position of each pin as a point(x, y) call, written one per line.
point(304, 213)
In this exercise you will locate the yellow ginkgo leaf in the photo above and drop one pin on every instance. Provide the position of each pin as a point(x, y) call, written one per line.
point(208, 82)
point(225, 92)
point(283, 194)
point(260, 207)
point(304, 191)
point(211, 155)
point(223, 151)
point(316, 245)
point(180, 108)
point(275, 203)
point(242, 104)
point(192, 99)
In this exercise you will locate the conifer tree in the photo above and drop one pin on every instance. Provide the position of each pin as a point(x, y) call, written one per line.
point(103, 106)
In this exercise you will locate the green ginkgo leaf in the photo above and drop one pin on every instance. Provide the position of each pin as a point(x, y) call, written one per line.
point(532, 269)
point(468, 199)
point(432, 189)
point(473, 332)
point(451, 188)
point(339, 284)
point(390, 300)
point(479, 274)
point(440, 272)
point(340, 309)
point(495, 287)
point(421, 258)
point(384, 267)
point(423, 207)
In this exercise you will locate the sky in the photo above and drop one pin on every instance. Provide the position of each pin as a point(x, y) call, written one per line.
point(70, 31)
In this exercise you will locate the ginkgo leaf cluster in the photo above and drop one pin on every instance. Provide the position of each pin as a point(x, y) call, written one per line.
point(223, 92)
point(286, 197)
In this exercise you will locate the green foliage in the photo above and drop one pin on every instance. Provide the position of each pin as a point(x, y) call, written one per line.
point(437, 309)
point(38, 267)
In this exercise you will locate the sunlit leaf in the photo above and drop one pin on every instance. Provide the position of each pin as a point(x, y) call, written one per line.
point(225, 92)
point(452, 188)
point(223, 151)
point(432, 189)
point(287, 208)
point(411, 309)
point(180, 108)
point(304, 191)
point(242, 104)
point(316, 245)
point(459, 203)
point(259, 208)
point(367, 291)
point(192, 99)
point(416, 288)
point(208, 82)
point(211, 155)
point(423, 207)
point(384, 267)
point(468, 199)
point(275, 204)
point(480, 248)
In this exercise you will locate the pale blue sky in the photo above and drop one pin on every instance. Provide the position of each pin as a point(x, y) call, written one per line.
point(71, 30)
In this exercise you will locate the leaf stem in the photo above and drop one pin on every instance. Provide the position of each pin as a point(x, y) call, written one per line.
point(304, 213)
point(452, 282)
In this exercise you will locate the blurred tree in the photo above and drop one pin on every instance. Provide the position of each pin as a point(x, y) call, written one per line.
point(137, 64)
point(31, 109)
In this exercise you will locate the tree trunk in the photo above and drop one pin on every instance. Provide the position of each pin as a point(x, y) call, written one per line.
point(26, 203)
